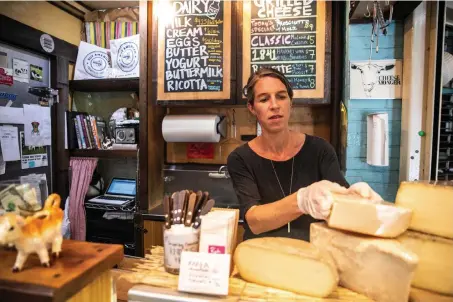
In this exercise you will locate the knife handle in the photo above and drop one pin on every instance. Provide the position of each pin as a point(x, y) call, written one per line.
point(167, 211)
point(190, 209)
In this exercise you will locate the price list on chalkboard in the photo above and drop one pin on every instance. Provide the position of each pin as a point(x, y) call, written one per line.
point(283, 36)
point(193, 47)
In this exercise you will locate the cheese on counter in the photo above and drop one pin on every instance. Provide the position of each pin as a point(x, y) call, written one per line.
point(287, 264)
point(419, 295)
point(432, 207)
point(435, 268)
point(381, 269)
point(353, 213)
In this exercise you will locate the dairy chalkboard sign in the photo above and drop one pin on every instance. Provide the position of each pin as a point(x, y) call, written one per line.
point(194, 56)
point(288, 35)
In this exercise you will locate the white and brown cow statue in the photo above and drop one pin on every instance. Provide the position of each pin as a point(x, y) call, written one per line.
point(370, 75)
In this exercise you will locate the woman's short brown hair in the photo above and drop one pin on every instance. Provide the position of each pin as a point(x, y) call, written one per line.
point(262, 73)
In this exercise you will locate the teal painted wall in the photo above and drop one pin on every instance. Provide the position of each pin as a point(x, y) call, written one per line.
point(384, 180)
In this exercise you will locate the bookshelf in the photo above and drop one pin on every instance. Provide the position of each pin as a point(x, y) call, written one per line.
point(103, 153)
point(105, 85)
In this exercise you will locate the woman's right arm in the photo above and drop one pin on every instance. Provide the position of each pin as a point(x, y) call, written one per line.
point(260, 218)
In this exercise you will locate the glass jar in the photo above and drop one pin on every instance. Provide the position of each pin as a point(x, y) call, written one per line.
point(177, 239)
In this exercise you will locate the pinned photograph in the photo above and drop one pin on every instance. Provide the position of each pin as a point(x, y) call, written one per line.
point(36, 73)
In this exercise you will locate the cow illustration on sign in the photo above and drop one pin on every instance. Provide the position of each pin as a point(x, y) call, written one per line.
point(370, 75)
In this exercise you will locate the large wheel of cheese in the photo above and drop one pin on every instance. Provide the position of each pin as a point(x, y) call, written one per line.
point(287, 264)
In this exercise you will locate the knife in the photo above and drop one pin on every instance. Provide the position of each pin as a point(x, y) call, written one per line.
point(181, 197)
point(177, 209)
point(167, 211)
point(172, 208)
point(206, 207)
point(190, 209)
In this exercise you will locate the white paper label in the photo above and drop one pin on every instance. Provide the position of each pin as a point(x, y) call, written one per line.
point(204, 273)
point(175, 243)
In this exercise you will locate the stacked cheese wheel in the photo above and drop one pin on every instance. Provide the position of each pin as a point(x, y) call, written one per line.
point(366, 248)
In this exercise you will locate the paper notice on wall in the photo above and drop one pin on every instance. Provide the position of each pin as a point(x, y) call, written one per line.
point(32, 157)
point(21, 70)
point(39, 182)
point(9, 115)
point(9, 139)
point(37, 127)
point(377, 139)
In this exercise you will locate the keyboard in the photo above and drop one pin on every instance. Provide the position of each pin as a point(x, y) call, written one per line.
point(110, 200)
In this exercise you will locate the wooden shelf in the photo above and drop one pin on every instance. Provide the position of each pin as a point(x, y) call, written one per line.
point(105, 85)
point(103, 153)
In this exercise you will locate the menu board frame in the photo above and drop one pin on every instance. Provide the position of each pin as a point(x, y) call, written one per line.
point(158, 62)
point(320, 95)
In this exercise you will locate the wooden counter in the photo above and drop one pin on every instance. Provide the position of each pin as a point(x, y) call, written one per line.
point(81, 265)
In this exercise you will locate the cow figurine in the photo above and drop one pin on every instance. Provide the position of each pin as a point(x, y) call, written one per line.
point(35, 233)
point(370, 73)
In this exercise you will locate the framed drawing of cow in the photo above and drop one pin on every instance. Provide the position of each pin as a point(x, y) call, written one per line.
point(376, 79)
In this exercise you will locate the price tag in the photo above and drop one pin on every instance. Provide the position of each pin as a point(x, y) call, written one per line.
point(204, 273)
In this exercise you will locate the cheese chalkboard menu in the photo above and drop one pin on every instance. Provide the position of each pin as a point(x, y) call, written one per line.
point(288, 35)
point(194, 50)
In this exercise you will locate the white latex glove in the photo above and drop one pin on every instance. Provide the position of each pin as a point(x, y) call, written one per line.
point(316, 199)
point(364, 190)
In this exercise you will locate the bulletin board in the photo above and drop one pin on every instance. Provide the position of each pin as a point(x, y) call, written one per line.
point(292, 37)
point(39, 66)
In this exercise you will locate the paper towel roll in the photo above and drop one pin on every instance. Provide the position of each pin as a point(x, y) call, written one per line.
point(377, 139)
point(199, 128)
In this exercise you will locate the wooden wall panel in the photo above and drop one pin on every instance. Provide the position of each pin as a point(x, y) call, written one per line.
point(313, 120)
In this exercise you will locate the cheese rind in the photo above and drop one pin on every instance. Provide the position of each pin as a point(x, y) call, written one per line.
point(432, 207)
point(287, 264)
point(435, 268)
point(419, 295)
point(381, 269)
point(352, 213)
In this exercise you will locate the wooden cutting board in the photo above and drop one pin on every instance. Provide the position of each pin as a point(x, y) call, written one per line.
point(79, 264)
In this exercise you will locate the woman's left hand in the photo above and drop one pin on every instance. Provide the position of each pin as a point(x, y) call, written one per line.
point(364, 190)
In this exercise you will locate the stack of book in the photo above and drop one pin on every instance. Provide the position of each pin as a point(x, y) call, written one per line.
point(85, 131)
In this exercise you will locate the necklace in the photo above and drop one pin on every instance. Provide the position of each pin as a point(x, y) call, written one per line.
point(290, 185)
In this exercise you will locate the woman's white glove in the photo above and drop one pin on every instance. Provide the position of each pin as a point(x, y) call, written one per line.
point(364, 190)
point(316, 199)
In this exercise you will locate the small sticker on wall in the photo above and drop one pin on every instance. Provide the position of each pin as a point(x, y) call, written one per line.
point(200, 150)
point(47, 43)
point(36, 73)
point(6, 76)
point(21, 70)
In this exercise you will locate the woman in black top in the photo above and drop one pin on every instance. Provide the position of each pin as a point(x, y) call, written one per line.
point(284, 180)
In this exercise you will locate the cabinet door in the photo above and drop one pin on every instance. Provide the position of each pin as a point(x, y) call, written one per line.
point(194, 51)
point(292, 37)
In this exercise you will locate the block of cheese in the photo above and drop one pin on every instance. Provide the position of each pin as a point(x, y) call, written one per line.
point(353, 213)
point(435, 268)
point(432, 206)
point(287, 264)
point(420, 295)
point(381, 269)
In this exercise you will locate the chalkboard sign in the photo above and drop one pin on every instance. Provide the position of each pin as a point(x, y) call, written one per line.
point(288, 35)
point(194, 50)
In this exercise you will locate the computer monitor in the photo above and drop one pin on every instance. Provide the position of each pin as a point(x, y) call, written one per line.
point(122, 187)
